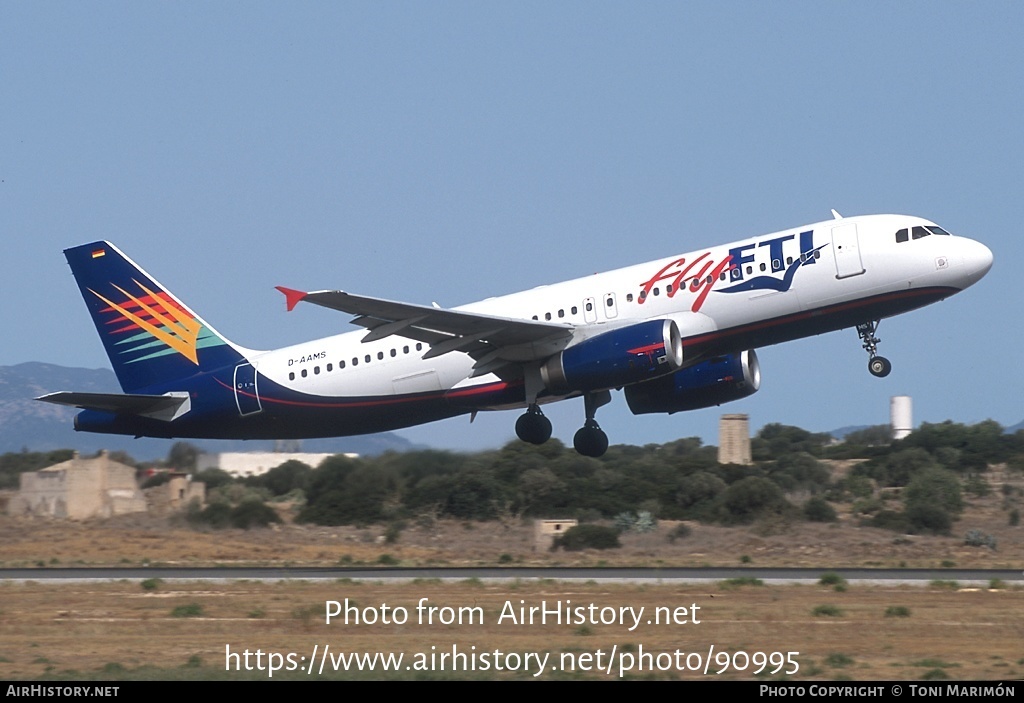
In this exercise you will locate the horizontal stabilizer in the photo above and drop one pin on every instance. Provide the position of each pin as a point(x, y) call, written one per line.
point(165, 407)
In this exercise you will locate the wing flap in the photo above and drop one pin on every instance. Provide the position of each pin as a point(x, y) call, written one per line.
point(443, 329)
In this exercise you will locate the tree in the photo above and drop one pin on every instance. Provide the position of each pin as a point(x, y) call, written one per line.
point(874, 436)
point(183, 456)
point(748, 499)
point(285, 478)
point(935, 487)
point(774, 440)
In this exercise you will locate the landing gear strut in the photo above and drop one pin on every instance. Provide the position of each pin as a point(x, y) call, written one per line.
point(532, 426)
point(590, 440)
point(877, 365)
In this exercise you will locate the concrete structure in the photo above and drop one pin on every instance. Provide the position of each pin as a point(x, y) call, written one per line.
point(901, 416)
point(79, 489)
point(734, 440)
point(256, 463)
point(176, 494)
point(545, 531)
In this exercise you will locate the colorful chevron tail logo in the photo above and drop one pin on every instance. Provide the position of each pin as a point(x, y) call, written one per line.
point(157, 315)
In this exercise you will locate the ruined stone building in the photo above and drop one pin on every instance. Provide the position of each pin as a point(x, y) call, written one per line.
point(79, 489)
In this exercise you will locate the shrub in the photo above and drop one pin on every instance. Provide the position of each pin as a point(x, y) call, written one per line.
point(977, 538)
point(645, 522)
point(897, 611)
point(393, 532)
point(935, 487)
point(216, 515)
point(680, 531)
point(830, 611)
point(890, 520)
point(191, 610)
point(253, 513)
point(624, 521)
point(749, 498)
point(742, 581)
point(818, 510)
point(831, 578)
point(928, 517)
point(838, 660)
point(587, 537)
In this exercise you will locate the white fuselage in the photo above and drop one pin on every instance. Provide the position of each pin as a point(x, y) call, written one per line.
point(733, 293)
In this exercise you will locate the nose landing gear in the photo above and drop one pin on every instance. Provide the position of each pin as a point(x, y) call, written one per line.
point(877, 365)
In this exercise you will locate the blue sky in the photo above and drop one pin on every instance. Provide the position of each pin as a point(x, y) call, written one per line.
point(452, 151)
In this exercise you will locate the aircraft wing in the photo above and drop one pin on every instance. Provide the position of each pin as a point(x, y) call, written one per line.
point(487, 338)
point(161, 407)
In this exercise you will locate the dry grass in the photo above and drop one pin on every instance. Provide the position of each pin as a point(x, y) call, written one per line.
point(136, 540)
point(121, 630)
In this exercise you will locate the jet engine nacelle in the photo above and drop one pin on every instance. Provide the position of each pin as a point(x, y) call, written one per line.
point(616, 358)
point(711, 382)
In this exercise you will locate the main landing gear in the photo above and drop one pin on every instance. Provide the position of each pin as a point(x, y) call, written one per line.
point(532, 426)
point(590, 440)
point(877, 365)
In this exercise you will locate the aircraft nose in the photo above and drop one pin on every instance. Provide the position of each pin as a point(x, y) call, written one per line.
point(977, 260)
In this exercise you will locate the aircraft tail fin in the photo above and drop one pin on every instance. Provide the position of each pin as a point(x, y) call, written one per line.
point(151, 337)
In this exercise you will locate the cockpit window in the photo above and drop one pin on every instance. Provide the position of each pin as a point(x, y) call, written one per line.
point(919, 232)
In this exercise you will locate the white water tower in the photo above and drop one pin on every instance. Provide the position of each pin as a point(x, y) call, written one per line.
point(901, 416)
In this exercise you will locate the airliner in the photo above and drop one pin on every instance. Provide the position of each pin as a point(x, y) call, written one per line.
point(675, 334)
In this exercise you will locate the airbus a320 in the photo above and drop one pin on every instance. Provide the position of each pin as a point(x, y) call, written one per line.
point(674, 334)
